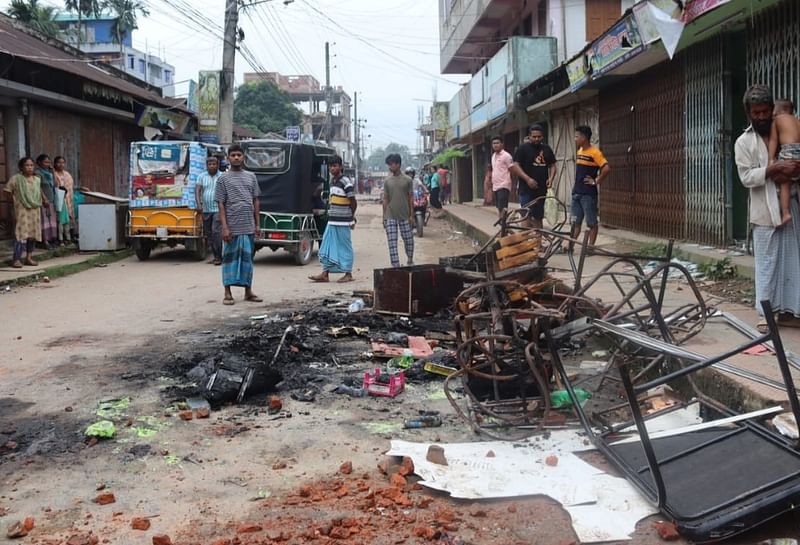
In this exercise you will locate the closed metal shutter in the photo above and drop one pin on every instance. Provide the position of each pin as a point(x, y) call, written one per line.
point(642, 136)
point(773, 50)
point(707, 144)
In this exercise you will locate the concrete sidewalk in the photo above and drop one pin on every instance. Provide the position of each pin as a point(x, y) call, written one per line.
point(716, 338)
point(477, 221)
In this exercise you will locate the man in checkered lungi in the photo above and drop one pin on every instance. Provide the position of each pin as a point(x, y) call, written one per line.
point(398, 210)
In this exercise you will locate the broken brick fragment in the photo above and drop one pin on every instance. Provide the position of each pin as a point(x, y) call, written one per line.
point(275, 404)
point(398, 480)
point(346, 468)
point(667, 531)
point(407, 467)
point(162, 539)
point(248, 529)
point(426, 532)
point(83, 539)
point(279, 465)
point(20, 528)
point(490, 454)
point(186, 415)
point(202, 412)
point(140, 523)
point(105, 499)
point(551, 460)
point(339, 532)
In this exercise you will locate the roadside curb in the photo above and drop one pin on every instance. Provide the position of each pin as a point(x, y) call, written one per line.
point(58, 271)
point(467, 228)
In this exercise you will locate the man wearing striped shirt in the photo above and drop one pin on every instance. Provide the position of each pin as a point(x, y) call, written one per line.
point(336, 251)
point(237, 197)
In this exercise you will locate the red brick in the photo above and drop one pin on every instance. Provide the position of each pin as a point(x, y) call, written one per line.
point(346, 468)
point(162, 539)
point(105, 499)
point(667, 531)
point(248, 529)
point(551, 461)
point(140, 523)
point(185, 415)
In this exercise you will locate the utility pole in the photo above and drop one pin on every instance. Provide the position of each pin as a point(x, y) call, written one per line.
point(357, 146)
point(328, 95)
point(225, 124)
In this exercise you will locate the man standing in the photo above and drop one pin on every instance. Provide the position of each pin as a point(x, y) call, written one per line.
point(205, 192)
point(535, 165)
point(336, 250)
point(777, 250)
point(501, 175)
point(436, 189)
point(445, 183)
point(591, 169)
point(398, 210)
point(237, 197)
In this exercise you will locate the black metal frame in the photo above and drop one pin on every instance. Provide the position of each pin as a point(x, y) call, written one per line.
point(717, 521)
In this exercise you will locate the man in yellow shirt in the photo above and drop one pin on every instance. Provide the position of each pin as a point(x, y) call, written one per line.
point(591, 169)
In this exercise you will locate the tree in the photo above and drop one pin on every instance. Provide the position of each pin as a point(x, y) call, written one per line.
point(265, 107)
point(38, 17)
point(83, 7)
point(125, 13)
point(377, 159)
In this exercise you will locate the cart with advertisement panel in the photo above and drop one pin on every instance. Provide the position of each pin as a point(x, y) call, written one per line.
point(163, 207)
point(293, 180)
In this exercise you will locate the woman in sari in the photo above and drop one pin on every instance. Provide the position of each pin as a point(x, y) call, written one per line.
point(25, 189)
point(44, 171)
point(64, 182)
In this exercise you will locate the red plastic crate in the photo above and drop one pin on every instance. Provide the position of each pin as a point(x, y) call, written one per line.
point(397, 382)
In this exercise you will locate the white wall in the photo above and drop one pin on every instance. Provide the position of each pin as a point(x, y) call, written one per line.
point(569, 15)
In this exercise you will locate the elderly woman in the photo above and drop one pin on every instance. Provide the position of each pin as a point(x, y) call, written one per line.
point(44, 171)
point(26, 192)
point(64, 182)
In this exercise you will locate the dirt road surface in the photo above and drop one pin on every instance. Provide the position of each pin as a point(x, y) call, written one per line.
point(242, 475)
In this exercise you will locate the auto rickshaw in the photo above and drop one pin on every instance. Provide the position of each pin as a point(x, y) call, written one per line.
point(293, 179)
point(163, 207)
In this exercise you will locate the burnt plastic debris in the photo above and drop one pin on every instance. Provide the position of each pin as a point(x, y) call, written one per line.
point(350, 391)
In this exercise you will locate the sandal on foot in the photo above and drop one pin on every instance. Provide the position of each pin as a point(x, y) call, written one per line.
point(17, 265)
point(228, 301)
point(345, 279)
point(319, 278)
point(762, 326)
point(254, 299)
point(31, 263)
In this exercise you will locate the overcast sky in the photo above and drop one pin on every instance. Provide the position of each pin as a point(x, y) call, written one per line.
point(387, 50)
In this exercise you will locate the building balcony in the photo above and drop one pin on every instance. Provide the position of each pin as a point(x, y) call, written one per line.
point(493, 91)
point(468, 31)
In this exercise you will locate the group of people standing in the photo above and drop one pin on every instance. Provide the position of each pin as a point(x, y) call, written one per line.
point(44, 210)
point(436, 179)
point(534, 165)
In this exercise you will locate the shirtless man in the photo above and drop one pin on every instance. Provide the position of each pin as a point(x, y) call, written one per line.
point(786, 135)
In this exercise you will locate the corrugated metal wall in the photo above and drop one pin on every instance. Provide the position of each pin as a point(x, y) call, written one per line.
point(773, 50)
point(641, 121)
point(96, 149)
point(707, 143)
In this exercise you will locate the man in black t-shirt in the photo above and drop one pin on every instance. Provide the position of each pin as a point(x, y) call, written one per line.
point(535, 166)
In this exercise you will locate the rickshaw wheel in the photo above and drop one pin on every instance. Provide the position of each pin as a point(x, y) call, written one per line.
point(305, 245)
point(200, 249)
point(142, 248)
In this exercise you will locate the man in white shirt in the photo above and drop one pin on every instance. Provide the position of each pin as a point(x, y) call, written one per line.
point(777, 249)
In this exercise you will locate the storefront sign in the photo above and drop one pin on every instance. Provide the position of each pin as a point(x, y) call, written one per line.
point(616, 46)
point(696, 8)
point(644, 22)
point(162, 119)
point(576, 72)
point(208, 105)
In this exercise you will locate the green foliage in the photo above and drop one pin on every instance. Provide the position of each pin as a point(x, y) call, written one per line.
point(38, 17)
point(721, 269)
point(85, 7)
point(447, 156)
point(377, 159)
point(652, 249)
point(125, 13)
point(264, 107)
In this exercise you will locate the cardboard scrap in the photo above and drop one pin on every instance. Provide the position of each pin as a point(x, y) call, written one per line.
point(602, 507)
point(418, 345)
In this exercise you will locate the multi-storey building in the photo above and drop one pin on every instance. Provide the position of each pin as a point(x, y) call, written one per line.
point(96, 38)
point(310, 96)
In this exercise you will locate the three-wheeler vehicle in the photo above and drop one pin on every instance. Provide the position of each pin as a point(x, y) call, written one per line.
point(293, 180)
point(163, 207)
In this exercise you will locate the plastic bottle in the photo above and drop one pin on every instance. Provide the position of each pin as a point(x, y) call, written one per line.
point(356, 305)
point(426, 421)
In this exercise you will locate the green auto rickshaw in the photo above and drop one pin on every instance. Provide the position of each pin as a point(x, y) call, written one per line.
point(294, 182)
